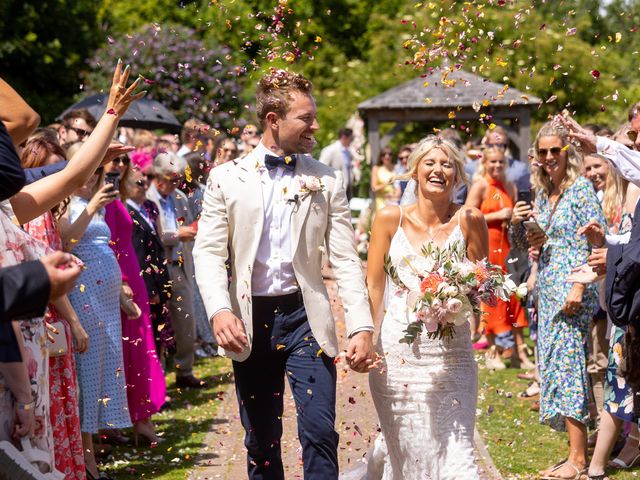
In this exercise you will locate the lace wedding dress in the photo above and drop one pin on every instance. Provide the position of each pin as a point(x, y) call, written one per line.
point(425, 394)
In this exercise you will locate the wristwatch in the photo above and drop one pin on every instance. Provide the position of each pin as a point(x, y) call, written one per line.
point(26, 406)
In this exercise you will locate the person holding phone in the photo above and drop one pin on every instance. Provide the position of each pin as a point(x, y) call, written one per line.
point(566, 201)
point(85, 233)
point(493, 194)
point(146, 394)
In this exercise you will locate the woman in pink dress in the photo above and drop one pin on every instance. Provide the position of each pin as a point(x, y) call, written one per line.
point(146, 385)
point(63, 385)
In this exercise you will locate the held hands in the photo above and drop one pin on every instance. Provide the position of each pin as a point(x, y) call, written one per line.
point(574, 300)
point(229, 332)
point(63, 271)
point(594, 233)
point(360, 353)
point(102, 197)
point(120, 97)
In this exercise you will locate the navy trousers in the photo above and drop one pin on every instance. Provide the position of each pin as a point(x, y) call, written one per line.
point(284, 345)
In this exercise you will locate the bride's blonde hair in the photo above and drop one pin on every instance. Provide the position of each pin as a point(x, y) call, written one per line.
point(432, 142)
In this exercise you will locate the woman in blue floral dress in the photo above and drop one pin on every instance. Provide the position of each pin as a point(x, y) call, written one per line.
point(566, 201)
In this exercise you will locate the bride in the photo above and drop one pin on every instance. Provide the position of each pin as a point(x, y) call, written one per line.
point(425, 392)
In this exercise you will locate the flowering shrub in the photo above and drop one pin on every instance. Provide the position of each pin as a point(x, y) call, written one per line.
point(188, 76)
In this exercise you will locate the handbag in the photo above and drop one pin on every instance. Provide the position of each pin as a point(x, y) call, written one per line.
point(58, 345)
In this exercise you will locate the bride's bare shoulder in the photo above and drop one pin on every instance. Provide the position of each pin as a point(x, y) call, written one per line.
point(389, 215)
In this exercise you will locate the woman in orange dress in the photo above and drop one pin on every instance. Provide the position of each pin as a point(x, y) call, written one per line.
point(494, 196)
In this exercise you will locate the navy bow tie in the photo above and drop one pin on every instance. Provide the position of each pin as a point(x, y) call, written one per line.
point(288, 162)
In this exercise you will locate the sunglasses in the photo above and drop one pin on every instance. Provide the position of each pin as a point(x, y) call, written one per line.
point(122, 160)
point(633, 135)
point(404, 157)
point(141, 183)
point(543, 152)
point(81, 132)
point(233, 150)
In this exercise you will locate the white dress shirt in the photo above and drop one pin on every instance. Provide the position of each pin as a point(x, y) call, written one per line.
point(273, 273)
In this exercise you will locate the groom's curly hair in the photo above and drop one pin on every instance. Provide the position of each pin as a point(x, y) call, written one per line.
point(274, 92)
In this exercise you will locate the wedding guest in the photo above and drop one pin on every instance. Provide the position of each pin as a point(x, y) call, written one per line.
point(619, 201)
point(224, 150)
point(77, 125)
point(195, 137)
point(97, 299)
point(250, 137)
point(517, 171)
point(382, 180)
point(63, 388)
point(176, 228)
point(494, 195)
point(150, 253)
point(145, 379)
point(566, 202)
point(194, 189)
point(338, 156)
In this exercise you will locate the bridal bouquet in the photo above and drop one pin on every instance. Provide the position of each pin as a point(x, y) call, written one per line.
point(444, 288)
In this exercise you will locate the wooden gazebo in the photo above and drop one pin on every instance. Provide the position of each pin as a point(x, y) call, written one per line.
point(432, 98)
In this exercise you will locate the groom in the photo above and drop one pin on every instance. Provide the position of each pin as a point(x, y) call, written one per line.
point(271, 215)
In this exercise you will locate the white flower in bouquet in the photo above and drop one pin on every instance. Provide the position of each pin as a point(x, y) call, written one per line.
point(464, 268)
point(509, 285)
point(451, 291)
point(522, 291)
point(454, 305)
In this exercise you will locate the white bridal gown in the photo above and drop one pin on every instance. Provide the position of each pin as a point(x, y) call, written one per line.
point(425, 394)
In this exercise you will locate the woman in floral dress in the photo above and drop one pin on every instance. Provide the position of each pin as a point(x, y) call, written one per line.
point(566, 201)
point(63, 385)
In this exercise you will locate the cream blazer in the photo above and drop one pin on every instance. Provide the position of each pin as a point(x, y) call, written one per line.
point(230, 227)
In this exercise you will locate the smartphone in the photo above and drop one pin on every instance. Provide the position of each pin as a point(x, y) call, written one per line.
point(113, 178)
point(525, 196)
point(533, 227)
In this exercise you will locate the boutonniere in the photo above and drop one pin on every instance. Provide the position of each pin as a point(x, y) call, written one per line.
point(310, 184)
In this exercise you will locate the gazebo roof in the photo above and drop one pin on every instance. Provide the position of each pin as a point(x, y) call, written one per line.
point(459, 89)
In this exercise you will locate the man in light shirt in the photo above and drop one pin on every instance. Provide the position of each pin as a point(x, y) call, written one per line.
point(271, 215)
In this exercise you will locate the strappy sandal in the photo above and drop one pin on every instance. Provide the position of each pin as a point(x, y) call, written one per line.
point(579, 472)
point(620, 464)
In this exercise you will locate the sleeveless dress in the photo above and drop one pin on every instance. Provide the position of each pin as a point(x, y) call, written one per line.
point(96, 300)
point(504, 315)
point(387, 177)
point(425, 394)
point(146, 385)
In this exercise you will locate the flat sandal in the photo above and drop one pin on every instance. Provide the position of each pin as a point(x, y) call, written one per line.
point(579, 472)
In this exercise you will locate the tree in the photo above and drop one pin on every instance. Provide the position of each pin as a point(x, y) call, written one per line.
point(191, 77)
point(43, 46)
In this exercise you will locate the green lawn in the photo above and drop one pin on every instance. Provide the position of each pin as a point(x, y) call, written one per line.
point(519, 445)
point(184, 426)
